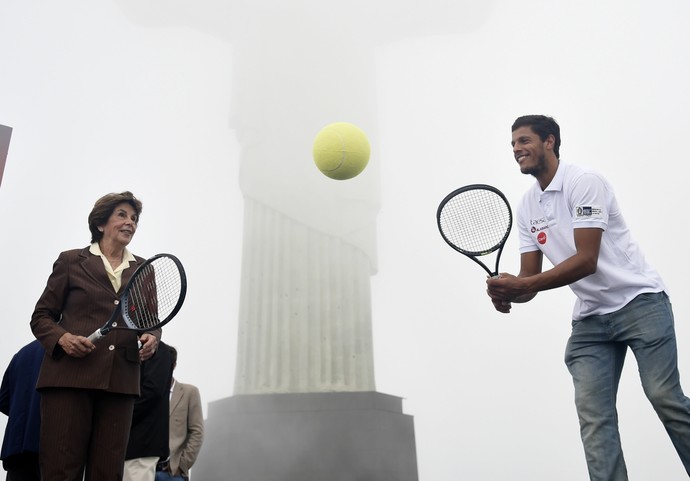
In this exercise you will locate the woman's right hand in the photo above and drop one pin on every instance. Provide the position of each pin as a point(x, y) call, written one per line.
point(75, 346)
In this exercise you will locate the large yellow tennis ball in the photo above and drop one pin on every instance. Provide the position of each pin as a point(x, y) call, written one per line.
point(341, 150)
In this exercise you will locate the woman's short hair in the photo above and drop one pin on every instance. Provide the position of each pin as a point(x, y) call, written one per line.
point(104, 208)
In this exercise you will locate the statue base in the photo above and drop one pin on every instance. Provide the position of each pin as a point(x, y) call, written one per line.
point(335, 436)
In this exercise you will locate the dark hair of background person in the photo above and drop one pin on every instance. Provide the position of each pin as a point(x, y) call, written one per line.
point(173, 356)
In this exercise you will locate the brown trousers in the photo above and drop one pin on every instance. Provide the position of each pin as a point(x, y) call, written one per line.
point(84, 431)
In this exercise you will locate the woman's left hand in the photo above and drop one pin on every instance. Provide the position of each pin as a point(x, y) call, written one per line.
point(149, 344)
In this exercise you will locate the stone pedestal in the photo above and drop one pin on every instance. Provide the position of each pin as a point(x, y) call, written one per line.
point(338, 436)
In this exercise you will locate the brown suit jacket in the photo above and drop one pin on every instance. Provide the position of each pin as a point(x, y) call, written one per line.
point(186, 427)
point(79, 299)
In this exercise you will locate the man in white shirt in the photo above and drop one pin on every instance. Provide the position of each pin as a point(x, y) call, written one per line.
point(571, 216)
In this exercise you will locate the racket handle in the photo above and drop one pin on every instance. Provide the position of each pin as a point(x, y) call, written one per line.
point(95, 336)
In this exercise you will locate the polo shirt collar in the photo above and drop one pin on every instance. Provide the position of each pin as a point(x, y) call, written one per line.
point(557, 181)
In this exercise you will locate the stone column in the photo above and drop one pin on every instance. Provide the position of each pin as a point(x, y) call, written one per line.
point(305, 309)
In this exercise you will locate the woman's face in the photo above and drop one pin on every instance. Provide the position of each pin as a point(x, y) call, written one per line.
point(121, 225)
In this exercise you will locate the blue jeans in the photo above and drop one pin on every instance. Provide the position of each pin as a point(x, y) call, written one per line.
point(595, 355)
point(166, 476)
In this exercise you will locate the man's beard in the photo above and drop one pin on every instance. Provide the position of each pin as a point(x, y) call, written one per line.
point(536, 169)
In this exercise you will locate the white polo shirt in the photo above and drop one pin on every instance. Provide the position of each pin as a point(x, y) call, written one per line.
point(577, 198)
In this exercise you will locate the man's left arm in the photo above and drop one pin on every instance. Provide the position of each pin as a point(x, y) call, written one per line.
point(582, 264)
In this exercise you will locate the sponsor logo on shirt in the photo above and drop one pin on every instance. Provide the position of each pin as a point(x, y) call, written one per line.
point(538, 225)
point(541, 238)
point(587, 211)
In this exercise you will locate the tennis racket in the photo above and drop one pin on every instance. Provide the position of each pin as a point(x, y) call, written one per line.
point(152, 297)
point(475, 220)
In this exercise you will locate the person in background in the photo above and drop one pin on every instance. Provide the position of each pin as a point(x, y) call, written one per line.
point(186, 429)
point(88, 390)
point(148, 437)
point(571, 216)
point(20, 401)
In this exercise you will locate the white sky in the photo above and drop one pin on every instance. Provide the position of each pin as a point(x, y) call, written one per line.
point(99, 104)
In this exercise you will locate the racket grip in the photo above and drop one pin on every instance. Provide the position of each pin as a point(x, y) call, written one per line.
point(95, 336)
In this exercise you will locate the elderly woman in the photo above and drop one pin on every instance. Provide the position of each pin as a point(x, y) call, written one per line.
point(88, 390)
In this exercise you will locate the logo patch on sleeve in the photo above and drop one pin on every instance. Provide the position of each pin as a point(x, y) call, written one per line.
point(588, 211)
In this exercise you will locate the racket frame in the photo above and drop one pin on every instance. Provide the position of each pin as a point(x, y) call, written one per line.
point(474, 255)
point(121, 309)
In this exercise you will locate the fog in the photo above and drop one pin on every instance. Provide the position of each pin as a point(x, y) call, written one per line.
point(164, 98)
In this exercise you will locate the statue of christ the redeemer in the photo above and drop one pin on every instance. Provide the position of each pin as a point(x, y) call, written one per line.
point(309, 244)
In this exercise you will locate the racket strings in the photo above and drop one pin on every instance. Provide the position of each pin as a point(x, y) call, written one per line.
point(154, 294)
point(476, 221)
